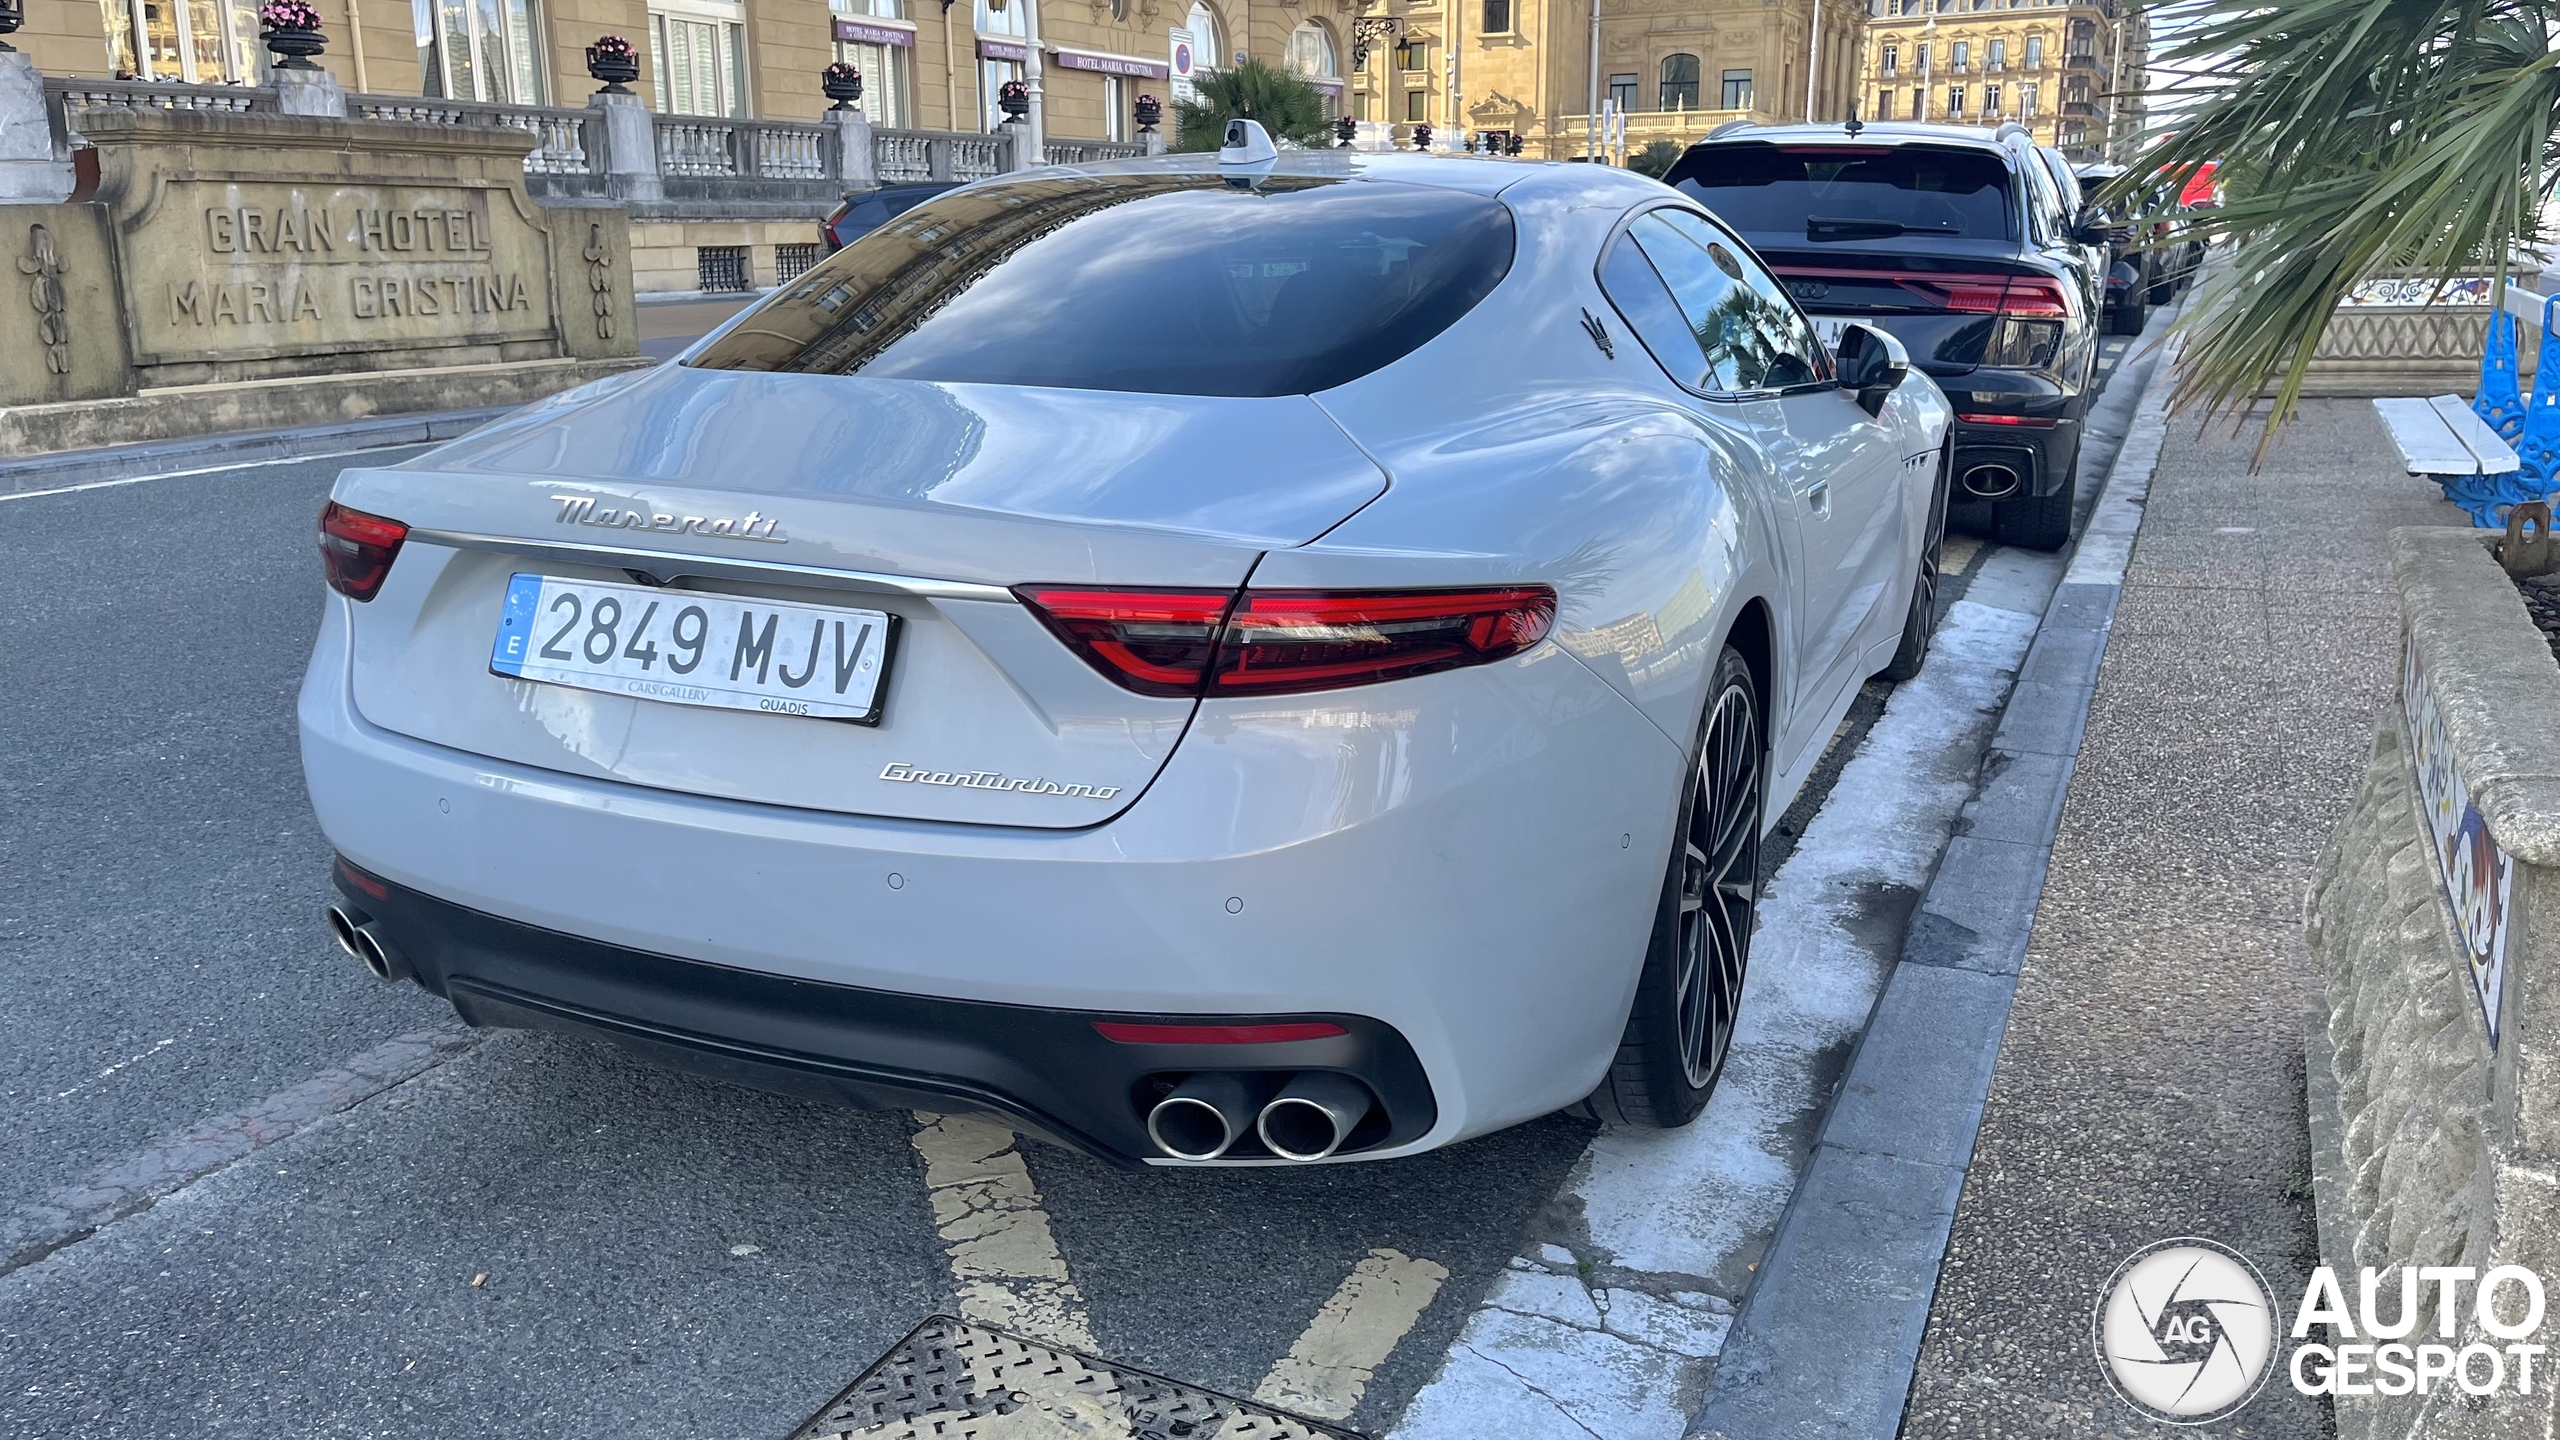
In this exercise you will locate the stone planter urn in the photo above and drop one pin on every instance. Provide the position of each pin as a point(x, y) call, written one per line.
point(290, 29)
point(1421, 137)
point(613, 62)
point(842, 84)
point(1149, 112)
point(1014, 99)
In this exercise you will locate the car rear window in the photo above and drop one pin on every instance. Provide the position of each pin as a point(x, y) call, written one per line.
point(1849, 192)
point(1169, 283)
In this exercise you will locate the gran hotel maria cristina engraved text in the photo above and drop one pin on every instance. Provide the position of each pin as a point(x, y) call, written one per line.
point(354, 256)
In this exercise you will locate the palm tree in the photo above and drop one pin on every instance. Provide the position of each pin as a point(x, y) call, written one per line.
point(1283, 100)
point(2358, 137)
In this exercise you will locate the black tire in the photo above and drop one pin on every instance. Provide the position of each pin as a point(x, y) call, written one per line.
point(1681, 1025)
point(1920, 623)
point(2038, 522)
point(2128, 318)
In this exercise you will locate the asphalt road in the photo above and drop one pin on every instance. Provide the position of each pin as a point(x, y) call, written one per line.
point(538, 1235)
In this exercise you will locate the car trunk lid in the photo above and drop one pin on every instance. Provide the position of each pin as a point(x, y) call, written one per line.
point(926, 501)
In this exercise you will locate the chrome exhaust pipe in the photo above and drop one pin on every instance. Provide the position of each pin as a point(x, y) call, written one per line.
point(343, 924)
point(1991, 482)
point(1203, 1116)
point(379, 955)
point(1313, 1114)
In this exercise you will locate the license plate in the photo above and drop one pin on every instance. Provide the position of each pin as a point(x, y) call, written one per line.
point(690, 648)
point(1828, 327)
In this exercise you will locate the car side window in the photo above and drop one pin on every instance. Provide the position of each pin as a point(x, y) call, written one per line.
point(1753, 339)
point(1637, 289)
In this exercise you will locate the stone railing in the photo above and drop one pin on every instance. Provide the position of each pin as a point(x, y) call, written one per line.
point(561, 143)
point(700, 162)
point(2433, 1090)
point(1088, 152)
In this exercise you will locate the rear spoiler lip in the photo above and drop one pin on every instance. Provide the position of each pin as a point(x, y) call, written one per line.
point(665, 566)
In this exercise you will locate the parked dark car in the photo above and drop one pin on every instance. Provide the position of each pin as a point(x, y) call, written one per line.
point(2132, 269)
point(1960, 243)
point(864, 211)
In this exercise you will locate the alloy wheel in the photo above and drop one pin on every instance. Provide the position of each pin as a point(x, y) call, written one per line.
point(1719, 885)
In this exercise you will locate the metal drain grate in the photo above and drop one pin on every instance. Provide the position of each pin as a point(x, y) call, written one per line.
point(957, 1380)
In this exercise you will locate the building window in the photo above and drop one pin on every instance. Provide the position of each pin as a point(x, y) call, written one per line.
point(1959, 54)
point(1884, 105)
point(992, 74)
point(1497, 17)
point(1892, 59)
point(197, 42)
point(1311, 51)
point(1920, 60)
point(1737, 90)
point(885, 83)
point(1417, 105)
point(1413, 55)
point(792, 260)
point(1990, 100)
point(1622, 92)
point(1998, 54)
point(699, 66)
point(479, 50)
point(2035, 52)
point(723, 267)
point(1919, 103)
point(1679, 82)
point(1955, 101)
point(2026, 102)
point(1208, 36)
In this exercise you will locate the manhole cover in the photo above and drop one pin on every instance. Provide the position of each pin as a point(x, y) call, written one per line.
point(957, 1380)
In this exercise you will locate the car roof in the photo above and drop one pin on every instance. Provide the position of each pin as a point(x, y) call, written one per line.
point(1475, 174)
point(1882, 132)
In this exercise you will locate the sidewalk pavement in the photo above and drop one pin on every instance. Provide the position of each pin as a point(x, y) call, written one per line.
point(2151, 1080)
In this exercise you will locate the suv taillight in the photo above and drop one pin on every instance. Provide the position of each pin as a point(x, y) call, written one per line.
point(356, 550)
point(1275, 642)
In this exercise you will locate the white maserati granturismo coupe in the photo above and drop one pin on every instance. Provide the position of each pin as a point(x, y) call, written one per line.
point(1240, 658)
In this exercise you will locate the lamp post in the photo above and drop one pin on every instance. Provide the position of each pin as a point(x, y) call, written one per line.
point(1591, 131)
point(1035, 125)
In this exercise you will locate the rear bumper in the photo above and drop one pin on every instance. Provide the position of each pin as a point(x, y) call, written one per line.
point(1470, 861)
point(1045, 1070)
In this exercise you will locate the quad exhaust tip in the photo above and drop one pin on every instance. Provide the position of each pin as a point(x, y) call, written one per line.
point(1991, 482)
point(1312, 1115)
point(1202, 1118)
point(364, 940)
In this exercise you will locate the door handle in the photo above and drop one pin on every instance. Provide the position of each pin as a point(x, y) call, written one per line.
point(1817, 498)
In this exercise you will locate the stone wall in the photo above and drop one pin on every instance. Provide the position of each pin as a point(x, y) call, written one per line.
point(2443, 1021)
point(2405, 351)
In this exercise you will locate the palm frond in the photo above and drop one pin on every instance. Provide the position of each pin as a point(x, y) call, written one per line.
point(1284, 101)
point(2356, 138)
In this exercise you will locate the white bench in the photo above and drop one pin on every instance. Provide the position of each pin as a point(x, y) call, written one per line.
point(2442, 437)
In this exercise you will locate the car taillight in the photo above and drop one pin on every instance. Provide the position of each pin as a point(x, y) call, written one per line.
point(1156, 642)
point(356, 550)
point(1275, 1032)
point(1285, 641)
point(1271, 642)
point(1965, 297)
point(2036, 295)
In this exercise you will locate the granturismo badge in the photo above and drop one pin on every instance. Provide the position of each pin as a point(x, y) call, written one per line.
point(583, 510)
point(906, 774)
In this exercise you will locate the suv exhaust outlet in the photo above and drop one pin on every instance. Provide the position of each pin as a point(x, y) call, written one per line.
point(1203, 1116)
point(1991, 482)
point(1313, 1114)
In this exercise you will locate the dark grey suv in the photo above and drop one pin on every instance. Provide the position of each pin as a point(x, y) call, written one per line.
point(1961, 244)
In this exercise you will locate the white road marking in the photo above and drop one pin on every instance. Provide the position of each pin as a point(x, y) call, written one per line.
point(1606, 1335)
point(213, 470)
point(1003, 1257)
point(1329, 1369)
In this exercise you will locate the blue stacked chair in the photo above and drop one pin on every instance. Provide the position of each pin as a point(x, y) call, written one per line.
point(2532, 428)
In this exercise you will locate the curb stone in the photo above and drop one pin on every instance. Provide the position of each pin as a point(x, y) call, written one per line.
point(1828, 1337)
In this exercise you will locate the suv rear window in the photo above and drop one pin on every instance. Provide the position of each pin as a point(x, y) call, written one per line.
point(1851, 192)
point(1169, 283)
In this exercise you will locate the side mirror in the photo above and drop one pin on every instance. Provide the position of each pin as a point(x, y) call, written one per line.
point(1872, 363)
point(2091, 228)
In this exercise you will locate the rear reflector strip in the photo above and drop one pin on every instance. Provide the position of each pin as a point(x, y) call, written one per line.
point(1128, 1033)
point(377, 888)
point(2031, 422)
